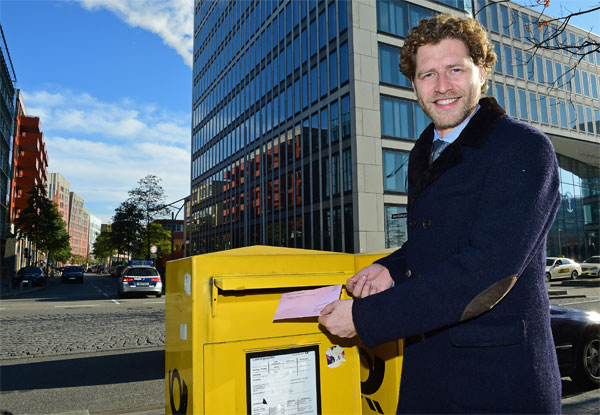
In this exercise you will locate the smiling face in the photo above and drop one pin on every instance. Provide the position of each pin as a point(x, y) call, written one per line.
point(447, 83)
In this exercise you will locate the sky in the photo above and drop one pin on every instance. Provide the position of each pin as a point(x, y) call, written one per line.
point(111, 81)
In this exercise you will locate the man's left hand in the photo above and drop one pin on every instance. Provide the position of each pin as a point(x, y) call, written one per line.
point(336, 317)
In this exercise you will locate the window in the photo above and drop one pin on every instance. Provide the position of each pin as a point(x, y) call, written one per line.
point(508, 60)
point(540, 69)
point(549, 72)
point(493, 17)
point(331, 18)
point(581, 119)
point(586, 85)
point(543, 109)
point(346, 131)
point(313, 37)
point(559, 75)
point(512, 102)
point(530, 70)
point(481, 13)
point(553, 112)
point(392, 17)
point(343, 63)
point(594, 86)
point(590, 122)
point(323, 77)
point(395, 226)
point(533, 107)
point(389, 72)
point(563, 114)
point(515, 24)
point(395, 171)
point(343, 15)
point(305, 90)
point(347, 170)
point(520, 65)
point(500, 95)
point(394, 116)
point(505, 20)
point(334, 122)
point(333, 67)
point(498, 65)
point(577, 81)
point(314, 85)
point(322, 29)
point(572, 116)
point(522, 104)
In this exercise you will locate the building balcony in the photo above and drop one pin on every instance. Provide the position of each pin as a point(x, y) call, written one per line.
point(30, 124)
point(27, 160)
point(29, 142)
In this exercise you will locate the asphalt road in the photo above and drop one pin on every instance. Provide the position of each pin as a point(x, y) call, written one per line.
point(79, 349)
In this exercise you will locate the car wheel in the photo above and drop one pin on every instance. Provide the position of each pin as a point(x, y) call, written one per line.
point(120, 294)
point(158, 295)
point(574, 275)
point(587, 371)
point(548, 277)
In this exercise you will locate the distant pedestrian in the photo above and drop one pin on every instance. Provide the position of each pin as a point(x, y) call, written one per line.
point(467, 290)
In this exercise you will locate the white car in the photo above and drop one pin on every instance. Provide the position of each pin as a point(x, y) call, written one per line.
point(561, 267)
point(591, 267)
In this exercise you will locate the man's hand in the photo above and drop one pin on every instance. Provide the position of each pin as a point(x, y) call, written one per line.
point(369, 280)
point(336, 317)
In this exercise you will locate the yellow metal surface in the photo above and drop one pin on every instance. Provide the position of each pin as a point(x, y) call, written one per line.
point(219, 311)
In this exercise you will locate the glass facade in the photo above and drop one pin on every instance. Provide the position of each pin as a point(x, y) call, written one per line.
point(271, 126)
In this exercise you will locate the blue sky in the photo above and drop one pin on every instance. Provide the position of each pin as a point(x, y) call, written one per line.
point(111, 83)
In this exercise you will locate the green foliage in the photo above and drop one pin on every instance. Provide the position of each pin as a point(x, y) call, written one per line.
point(104, 247)
point(158, 237)
point(127, 230)
point(43, 224)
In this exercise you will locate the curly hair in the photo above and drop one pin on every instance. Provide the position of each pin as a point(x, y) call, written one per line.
point(447, 26)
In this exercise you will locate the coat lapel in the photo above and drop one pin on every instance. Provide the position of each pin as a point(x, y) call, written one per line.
point(421, 174)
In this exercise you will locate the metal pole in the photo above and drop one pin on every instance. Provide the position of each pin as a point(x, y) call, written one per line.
point(172, 233)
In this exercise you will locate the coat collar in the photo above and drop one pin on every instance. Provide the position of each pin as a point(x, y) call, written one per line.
point(421, 174)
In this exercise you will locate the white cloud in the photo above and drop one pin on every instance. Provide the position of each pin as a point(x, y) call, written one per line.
point(172, 20)
point(104, 148)
point(70, 113)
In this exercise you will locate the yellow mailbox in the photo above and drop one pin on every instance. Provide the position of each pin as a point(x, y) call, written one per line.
point(226, 355)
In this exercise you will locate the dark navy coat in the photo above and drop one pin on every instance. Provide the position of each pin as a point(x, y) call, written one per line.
point(470, 297)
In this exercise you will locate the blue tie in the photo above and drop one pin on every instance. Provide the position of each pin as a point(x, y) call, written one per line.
point(437, 148)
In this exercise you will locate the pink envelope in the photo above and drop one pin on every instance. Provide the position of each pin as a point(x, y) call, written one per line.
point(306, 303)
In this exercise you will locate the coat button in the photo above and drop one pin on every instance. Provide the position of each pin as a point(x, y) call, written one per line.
point(412, 223)
point(408, 273)
point(427, 224)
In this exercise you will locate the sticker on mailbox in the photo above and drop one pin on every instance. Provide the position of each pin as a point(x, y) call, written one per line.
point(335, 356)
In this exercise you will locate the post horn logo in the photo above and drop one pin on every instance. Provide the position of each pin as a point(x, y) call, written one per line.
point(183, 393)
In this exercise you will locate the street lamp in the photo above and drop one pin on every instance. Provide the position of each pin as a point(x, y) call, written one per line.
point(174, 216)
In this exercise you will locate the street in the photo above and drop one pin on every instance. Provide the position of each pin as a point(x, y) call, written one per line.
point(78, 348)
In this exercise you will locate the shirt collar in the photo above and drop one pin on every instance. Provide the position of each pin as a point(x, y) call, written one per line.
point(453, 135)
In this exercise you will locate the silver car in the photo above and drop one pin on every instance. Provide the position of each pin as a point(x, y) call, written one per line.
point(140, 278)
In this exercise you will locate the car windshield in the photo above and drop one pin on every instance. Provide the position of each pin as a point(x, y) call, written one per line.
point(73, 269)
point(142, 272)
point(593, 260)
point(30, 270)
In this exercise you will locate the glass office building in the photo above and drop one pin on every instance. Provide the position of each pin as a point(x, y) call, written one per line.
point(302, 123)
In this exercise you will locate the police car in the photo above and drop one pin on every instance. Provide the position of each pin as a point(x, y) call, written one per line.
point(139, 277)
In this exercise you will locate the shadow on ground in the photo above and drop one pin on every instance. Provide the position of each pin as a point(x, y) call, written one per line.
point(84, 371)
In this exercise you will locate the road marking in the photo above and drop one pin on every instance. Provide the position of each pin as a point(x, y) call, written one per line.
point(76, 306)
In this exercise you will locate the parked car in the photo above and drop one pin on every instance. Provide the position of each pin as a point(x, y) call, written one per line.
point(29, 275)
point(140, 277)
point(591, 267)
point(561, 267)
point(72, 273)
point(577, 338)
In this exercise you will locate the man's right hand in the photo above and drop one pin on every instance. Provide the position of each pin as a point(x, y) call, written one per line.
point(369, 280)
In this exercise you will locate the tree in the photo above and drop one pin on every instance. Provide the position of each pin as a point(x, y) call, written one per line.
point(150, 198)
point(127, 229)
point(158, 237)
point(104, 247)
point(42, 223)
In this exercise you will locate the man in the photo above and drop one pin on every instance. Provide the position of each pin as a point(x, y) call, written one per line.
point(467, 289)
